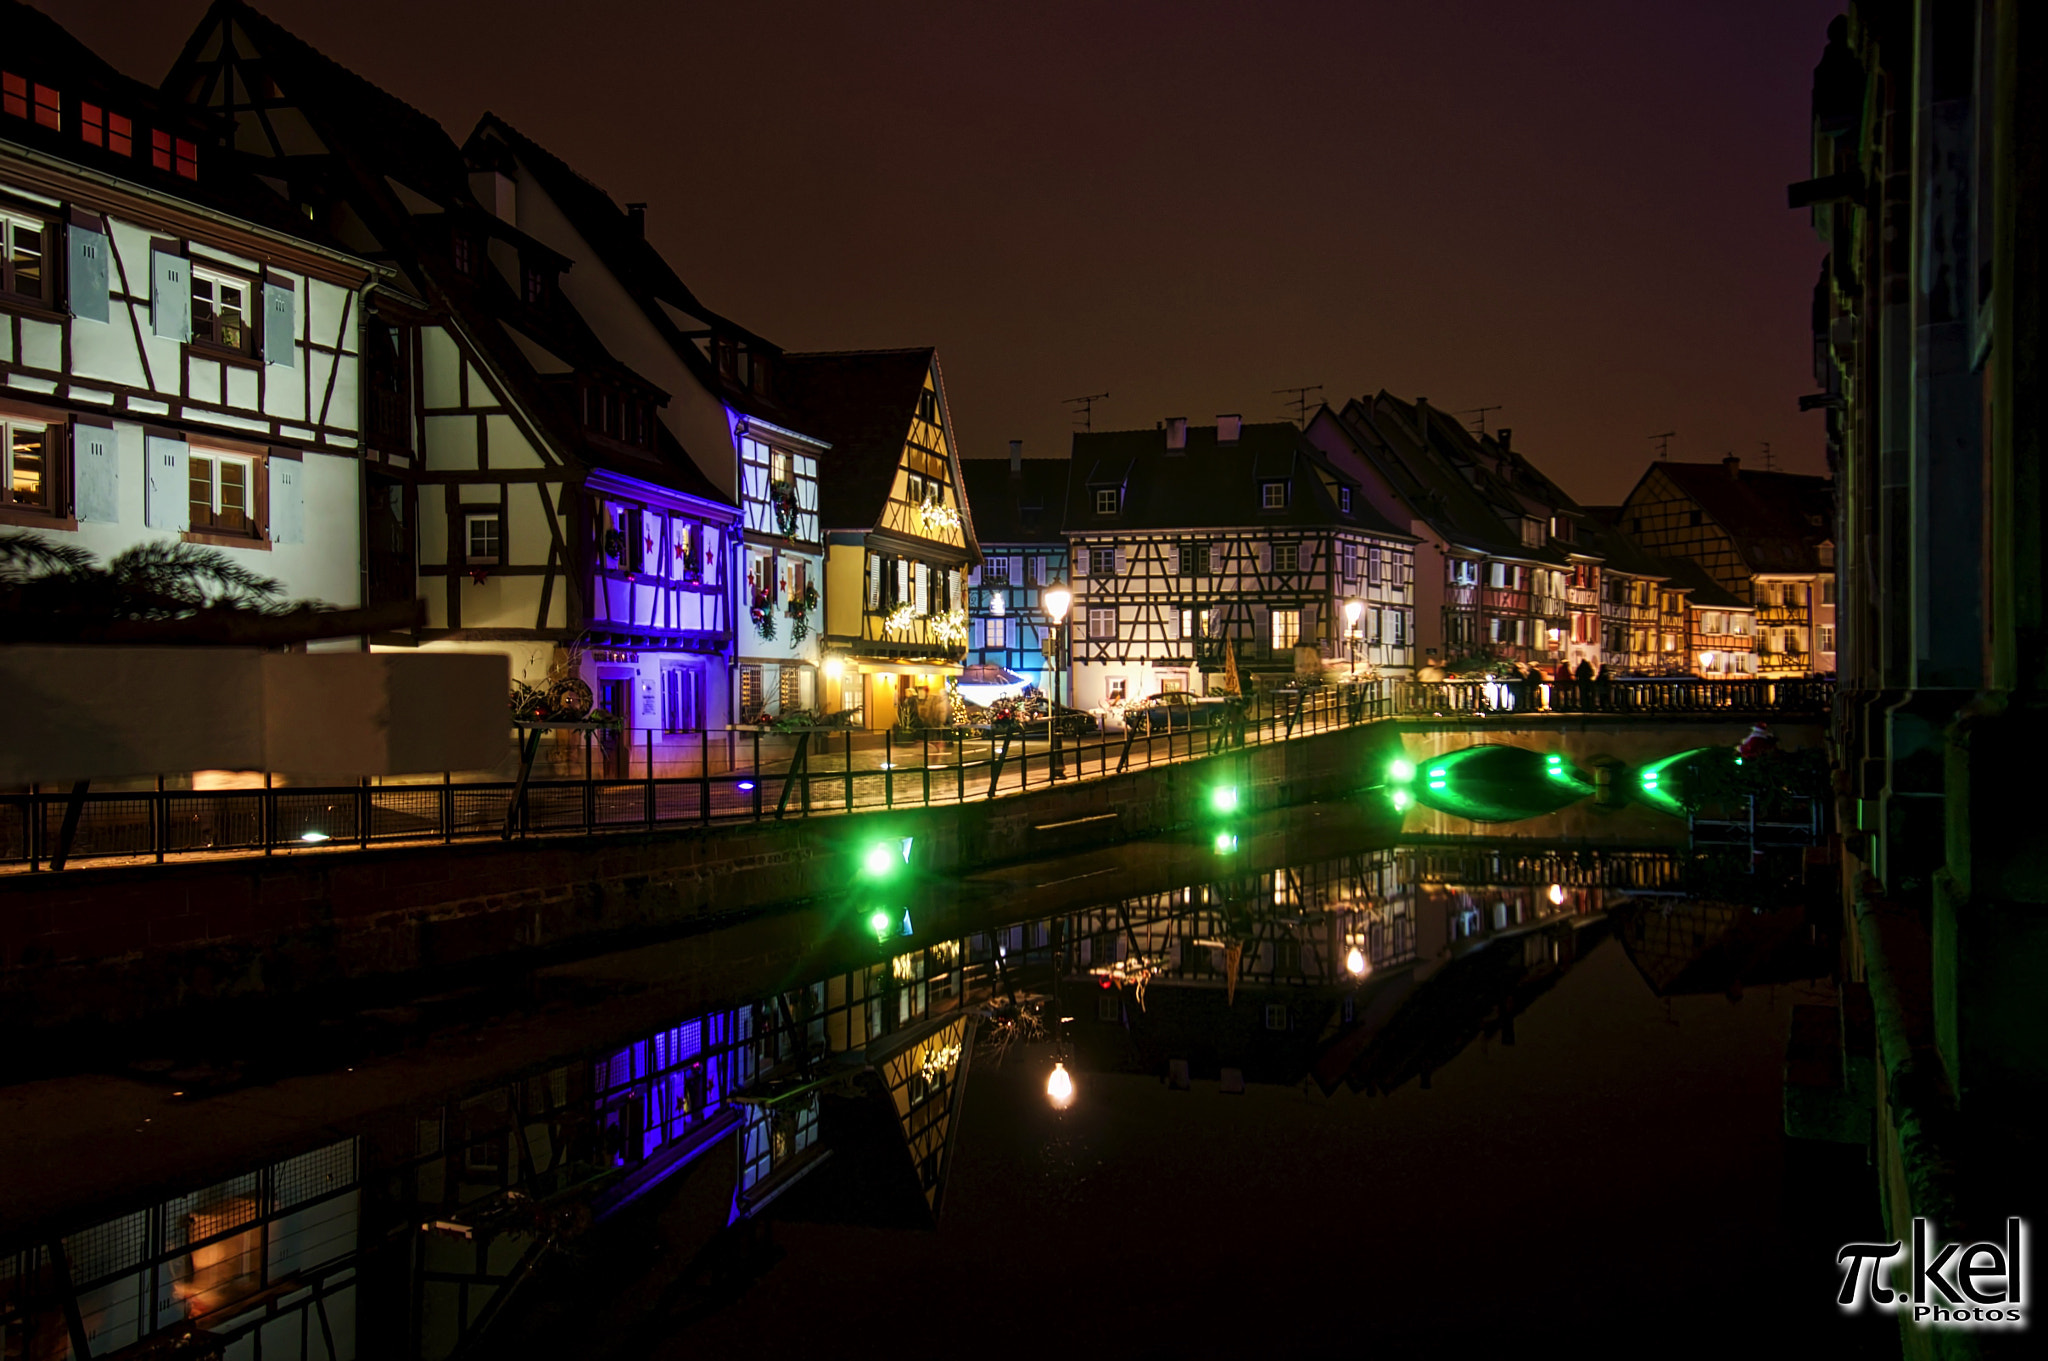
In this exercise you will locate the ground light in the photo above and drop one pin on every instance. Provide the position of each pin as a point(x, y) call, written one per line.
point(1436, 777)
point(879, 861)
point(1223, 798)
point(879, 922)
point(1059, 1088)
point(1226, 842)
point(1401, 772)
point(1402, 799)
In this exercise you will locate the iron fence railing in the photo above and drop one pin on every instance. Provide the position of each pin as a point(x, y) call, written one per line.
point(741, 775)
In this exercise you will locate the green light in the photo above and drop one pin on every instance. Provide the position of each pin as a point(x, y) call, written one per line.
point(1437, 774)
point(1436, 784)
point(879, 922)
point(1401, 799)
point(1224, 798)
point(1401, 772)
point(1553, 760)
point(1225, 843)
point(880, 859)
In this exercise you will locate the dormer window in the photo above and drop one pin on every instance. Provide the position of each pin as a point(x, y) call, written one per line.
point(1273, 495)
point(112, 131)
point(534, 285)
point(621, 416)
point(174, 154)
point(24, 98)
point(1344, 500)
point(462, 252)
point(928, 407)
point(1106, 499)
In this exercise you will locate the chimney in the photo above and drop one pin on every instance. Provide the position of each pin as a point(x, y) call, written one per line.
point(1228, 428)
point(1422, 420)
point(1734, 466)
point(1506, 437)
point(636, 218)
point(1016, 458)
point(1176, 434)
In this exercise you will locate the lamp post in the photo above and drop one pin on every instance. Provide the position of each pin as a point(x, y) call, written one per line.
point(1057, 599)
point(1353, 609)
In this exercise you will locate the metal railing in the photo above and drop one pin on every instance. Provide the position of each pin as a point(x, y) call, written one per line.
point(752, 775)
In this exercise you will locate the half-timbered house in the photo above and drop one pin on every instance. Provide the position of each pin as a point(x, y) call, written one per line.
point(1630, 582)
point(726, 409)
point(1019, 508)
point(518, 476)
point(1190, 542)
point(179, 349)
point(1766, 538)
point(1499, 576)
point(899, 538)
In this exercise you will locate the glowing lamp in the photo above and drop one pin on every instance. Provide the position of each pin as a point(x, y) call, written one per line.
point(1352, 609)
point(879, 860)
point(1056, 598)
point(1354, 963)
point(313, 836)
point(879, 922)
point(1402, 771)
point(1224, 798)
point(995, 604)
point(1401, 799)
point(745, 786)
point(835, 667)
point(1225, 843)
point(1060, 1086)
point(1556, 895)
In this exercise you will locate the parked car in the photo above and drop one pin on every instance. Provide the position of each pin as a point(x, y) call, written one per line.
point(1175, 709)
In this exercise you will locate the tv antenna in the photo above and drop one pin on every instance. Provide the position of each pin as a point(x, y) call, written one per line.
point(1300, 402)
point(1084, 408)
point(1770, 464)
point(1664, 442)
point(1479, 415)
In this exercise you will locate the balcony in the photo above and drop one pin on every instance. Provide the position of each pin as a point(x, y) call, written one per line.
point(1461, 596)
point(1581, 597)
point(1505, 600)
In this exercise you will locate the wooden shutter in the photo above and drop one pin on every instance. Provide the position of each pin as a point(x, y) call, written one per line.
point(95, 474)
point(88, 272)
point(974, 575)
point(1016, 570)
point(1123, 560)
point(1173, 624)
point(874, 582)
point(1080, 559)
point(167, 504)
point(280, 325)
point(288, 500)
point(170, 296)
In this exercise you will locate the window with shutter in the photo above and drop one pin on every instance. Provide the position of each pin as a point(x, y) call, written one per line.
point(280, 326)
point(167, 501)
point(1015, 568)
point(31, 465)
point(1081, 561)
point(87, 281)
point(95, 474)
point(170, 296)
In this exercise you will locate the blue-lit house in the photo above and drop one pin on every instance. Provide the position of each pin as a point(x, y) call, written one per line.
point(1019, 505)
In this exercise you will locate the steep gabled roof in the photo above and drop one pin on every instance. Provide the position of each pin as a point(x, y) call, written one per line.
point(1770, 516)
point(862, 401)
point(1027, 507)
point(1410, 452)
point(1600, 528)
point(1686, 575)
point(1210, 484)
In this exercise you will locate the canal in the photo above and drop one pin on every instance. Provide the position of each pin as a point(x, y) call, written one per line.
point(1423, 1068)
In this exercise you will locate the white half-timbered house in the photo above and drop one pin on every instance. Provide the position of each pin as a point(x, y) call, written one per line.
point(1187, 541)
point(725, 407)
point(178, 354)
point(520, 478)
point(899, 537)
point(1019, 507)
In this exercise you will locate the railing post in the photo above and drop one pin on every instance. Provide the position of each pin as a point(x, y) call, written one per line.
point(650, 778)
point(160, 821)
point(925, 764)
point(363, 815)
point(589, 791)
point(704, 775)
point(447, 806)
point(889, 768)
point(756, 772)
point(266, 815)
point(849, 770)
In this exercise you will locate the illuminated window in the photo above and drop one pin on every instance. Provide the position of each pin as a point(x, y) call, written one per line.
point(96, 127)
point(1105, 500)
point(1286, 628)
point(1101, 622)
point(1273, 496)
point(24, 243)
point(996, 572)
point(173, 153)
point(484, 536)
point(223, 492)
point(1344, 500)
point(28, 451)
point(996, 633)
point(1119, 689)
point(220, 310)
point(13, 94)
point(1287, 557)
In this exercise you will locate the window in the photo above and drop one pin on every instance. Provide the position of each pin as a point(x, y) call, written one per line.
point(1273, 496)
point(750, 692)
point(1692, 517)
point(220, 310)
point(110, 130)
point(462, 252)
point(1101, 622)
point(13, 94)
point(1194, 559)
point(223, 492)
point(1827, 555)
point(1194, 624)
point(995, 571)
point(1105, 500)
point(24, 245)
point(1372, 566)
point(995, 633)
point(1102, 562)
point(28, 464)
point(485, 538)
point(173, 153)
point(1344, 500)
point(1119, 689)
point(913, 488)
point(1827, 590)
point(1347, 557)
point(1287, 557)
point(1400, 625)
point(1827, 637)
point(928, 406)
point(23, 99)
point(1286, 628)
point(534, 285)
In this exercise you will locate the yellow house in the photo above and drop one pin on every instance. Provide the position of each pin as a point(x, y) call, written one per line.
point(899, 538)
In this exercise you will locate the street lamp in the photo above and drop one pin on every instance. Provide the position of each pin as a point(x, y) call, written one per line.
point(1060, 1086)
point(1057, 599)
point(1353, 609)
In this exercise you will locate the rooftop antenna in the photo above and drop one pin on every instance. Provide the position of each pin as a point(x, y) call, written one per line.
point(1664, 442)
point(1084, 408)
point(1300, 402)
point(1478, 413)
point(1770, 464)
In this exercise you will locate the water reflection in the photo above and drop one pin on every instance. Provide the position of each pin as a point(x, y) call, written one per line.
point(837, 1098)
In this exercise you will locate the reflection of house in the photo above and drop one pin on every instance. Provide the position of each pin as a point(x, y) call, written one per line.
point(1018, 507)
point(899, 538)
point(532, 467)
point(1187, 540)
point(179, 356)
point(1765, 538)
point(1693, 945)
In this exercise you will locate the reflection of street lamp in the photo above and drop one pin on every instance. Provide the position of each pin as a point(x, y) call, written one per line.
point(1060, 1087)
point(1057, 599)
point(1353, 608)
point(1354, 963)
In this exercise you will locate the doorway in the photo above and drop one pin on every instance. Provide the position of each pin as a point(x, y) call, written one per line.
point(617, 744)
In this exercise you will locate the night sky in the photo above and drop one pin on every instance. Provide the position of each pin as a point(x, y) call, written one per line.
point(1573, 211)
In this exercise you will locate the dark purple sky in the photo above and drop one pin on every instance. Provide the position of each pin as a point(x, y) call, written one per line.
point(1575, 211)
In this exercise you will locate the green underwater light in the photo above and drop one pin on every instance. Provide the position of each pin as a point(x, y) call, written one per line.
point(1401, 772)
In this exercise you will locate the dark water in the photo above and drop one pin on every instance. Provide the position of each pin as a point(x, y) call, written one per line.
point(1336, 1087)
